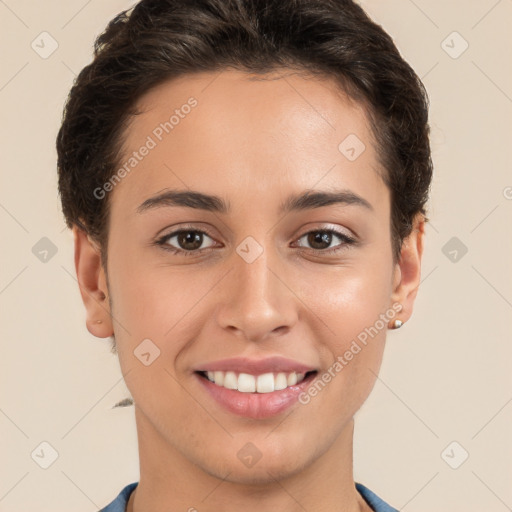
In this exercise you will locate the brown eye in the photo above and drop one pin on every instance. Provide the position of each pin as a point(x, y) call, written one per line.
point(187, 241)
point(320, 240)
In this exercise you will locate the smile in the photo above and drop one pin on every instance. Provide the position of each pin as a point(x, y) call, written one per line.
point(255, 396)
point(247, 383)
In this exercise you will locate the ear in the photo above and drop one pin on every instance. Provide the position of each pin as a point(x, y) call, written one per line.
point(407, 272)
point(93, 285)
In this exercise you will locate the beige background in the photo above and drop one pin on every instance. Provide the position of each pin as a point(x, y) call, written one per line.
point(446, 374)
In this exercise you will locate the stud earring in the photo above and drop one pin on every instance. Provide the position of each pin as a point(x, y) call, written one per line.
point(99, 321)
point(397, 324)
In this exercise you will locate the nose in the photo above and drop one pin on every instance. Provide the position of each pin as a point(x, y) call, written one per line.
point(258, 300)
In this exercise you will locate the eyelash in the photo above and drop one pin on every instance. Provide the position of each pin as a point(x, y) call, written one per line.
point(162, 242)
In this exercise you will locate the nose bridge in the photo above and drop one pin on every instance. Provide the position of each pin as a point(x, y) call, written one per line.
point(258, 302)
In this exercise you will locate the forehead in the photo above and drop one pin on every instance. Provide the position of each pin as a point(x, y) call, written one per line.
point(233, 132)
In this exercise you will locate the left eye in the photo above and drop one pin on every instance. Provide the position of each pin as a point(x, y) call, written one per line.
point(322, 239)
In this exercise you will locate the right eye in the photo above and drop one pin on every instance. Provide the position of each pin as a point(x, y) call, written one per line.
point(187, 241)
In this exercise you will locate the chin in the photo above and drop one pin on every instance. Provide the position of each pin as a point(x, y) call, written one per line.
point(264, 471)
point(261, 474)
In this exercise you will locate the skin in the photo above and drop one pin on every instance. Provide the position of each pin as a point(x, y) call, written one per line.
point(253, 143)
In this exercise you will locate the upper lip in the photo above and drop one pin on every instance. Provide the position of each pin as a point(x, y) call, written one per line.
point(256, 366)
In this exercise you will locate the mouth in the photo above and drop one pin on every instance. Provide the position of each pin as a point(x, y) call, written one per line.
point(254, 396)
point(263, 383)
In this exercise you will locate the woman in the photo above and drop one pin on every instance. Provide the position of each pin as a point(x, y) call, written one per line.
point(246, 182)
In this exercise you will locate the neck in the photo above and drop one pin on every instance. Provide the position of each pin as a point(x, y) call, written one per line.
point(170, 481)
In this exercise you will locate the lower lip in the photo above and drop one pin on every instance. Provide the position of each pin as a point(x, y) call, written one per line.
point(256, 405)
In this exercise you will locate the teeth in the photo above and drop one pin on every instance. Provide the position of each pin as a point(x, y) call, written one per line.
point(219, 377)
point(247, 383)
point(228, 380)
point(281, 381)
point(265, 383)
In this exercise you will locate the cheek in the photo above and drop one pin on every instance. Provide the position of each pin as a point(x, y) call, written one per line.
point(346, 300)
point(348, 306)
point(159, 303)
point(350, 335)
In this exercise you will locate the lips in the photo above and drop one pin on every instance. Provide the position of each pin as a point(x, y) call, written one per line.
point(255, 388)
point(275, 364)
point(255, 405)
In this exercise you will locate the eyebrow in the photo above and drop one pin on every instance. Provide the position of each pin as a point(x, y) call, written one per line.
point(307, 200)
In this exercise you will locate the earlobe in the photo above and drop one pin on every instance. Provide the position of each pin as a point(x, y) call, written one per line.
point(92, 284)
point(408, 271)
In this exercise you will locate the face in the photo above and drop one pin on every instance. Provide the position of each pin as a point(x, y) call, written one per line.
point(257, 271)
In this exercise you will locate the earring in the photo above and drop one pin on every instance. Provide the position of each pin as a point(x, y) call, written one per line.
point(99, 321)
point(397, 324)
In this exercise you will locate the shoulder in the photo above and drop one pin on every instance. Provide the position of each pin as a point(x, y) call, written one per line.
point(377, 504)
point(119, 504)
